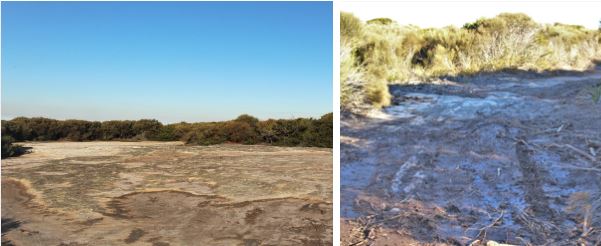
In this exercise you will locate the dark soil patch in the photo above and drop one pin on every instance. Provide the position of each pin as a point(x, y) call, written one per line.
point(494, 157)
point(134, 235)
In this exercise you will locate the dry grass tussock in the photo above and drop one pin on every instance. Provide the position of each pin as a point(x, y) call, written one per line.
point(586, 210)
point(380, 51)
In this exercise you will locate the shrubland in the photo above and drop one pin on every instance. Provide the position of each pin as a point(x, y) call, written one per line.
point(245, 129)
point(380, 52)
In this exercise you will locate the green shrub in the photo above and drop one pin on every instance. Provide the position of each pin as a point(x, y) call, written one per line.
point(320, 132)
point(166, 133)
point(245, 129)
point(206, 135)
point(117, 129)
point(237, 131)
point(79, 130)
point(147, 129)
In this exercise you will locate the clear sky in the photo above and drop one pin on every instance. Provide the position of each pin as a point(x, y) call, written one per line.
point(440, 13)
point(171, 61)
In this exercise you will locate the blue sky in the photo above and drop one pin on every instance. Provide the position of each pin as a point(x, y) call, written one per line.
point(172, 61)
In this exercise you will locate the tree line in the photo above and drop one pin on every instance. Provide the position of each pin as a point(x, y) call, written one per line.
point(245, 129)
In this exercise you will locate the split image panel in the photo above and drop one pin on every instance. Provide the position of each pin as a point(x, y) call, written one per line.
point(470, 123)
point(167, 123)
point(227, 123)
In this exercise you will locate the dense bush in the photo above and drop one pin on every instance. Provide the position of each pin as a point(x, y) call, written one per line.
point(79, 130)
point(379, 52)
point(320, 132)
point(9, 149)
point(167, 133)
point(249, 130)
point(207, 134)
point(147, 129)
point(245, 129)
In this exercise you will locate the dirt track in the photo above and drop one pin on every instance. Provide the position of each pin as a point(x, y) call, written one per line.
point(510, 157)
point(150, 193)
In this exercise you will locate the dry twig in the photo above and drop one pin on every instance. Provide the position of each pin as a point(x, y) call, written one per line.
point(569, 146)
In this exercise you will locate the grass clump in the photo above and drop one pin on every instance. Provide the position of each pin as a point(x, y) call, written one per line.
point(350, 26)
point(380, 52)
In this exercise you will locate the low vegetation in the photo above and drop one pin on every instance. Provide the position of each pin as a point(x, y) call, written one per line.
point(9, 149)
point(245, 129)
point(380, 51)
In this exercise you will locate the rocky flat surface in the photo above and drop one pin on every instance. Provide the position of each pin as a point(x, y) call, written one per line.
point(157, 193)
point(503, 157)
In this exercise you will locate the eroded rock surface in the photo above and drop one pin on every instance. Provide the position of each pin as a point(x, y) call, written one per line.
point(151, 193)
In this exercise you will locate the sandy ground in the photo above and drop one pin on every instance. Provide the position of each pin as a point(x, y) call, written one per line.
point(511, 158)
point(157, 193)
